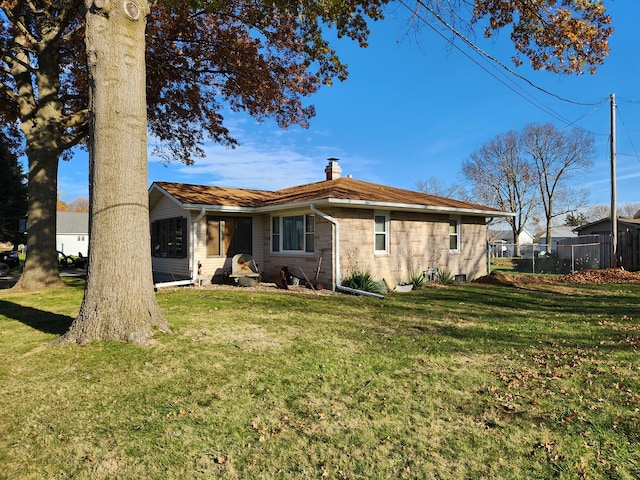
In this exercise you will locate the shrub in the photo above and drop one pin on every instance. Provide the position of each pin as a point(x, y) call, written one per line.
point(362, 280)
point(418, 279)
point(444, 276)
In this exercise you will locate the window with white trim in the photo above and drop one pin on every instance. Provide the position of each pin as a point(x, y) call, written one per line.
point(294, 233)
point(454, 234)
point(381, 232)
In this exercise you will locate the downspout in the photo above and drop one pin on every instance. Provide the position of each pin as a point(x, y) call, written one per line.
point(336, 267)
point(194, 243)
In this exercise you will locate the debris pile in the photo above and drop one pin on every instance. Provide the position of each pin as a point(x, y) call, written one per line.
point(607, 275)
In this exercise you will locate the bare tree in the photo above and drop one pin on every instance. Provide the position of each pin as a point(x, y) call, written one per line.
point(435, 186)
point(79, 204)
point(503, 178)
point(557, 156)
point(630, 210)
point(597, 212)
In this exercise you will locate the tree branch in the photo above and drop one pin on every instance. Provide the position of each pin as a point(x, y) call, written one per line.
point(8, 91)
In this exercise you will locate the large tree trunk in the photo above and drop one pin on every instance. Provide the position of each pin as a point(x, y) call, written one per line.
point(119, 301)
point(41, 124)
point(41, 268)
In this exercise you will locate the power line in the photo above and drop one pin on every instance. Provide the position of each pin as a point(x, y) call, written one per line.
point(633, 147)
point(522, 93)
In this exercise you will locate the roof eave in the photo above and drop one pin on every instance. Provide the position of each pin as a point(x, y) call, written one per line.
point(419, 208)
point(218, 208)
point(371, 204)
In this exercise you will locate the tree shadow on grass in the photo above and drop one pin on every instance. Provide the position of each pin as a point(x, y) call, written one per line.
point(46, 322)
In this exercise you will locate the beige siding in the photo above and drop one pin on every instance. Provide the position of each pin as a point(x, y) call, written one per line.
point(316, 265)
point(417, 242)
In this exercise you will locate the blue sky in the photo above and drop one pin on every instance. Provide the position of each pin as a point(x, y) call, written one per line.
point(414, 107)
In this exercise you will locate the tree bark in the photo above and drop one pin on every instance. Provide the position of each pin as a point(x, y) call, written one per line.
point(119, 301)
point(40, 119)
point(41, 267)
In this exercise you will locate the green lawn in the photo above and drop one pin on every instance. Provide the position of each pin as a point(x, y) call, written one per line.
point(461, 382)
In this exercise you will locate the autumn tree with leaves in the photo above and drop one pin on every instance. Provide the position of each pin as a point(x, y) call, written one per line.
point(202, 57)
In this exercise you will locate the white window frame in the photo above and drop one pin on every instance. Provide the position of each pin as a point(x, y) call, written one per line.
point(457, 234)
point(308, 234)
point(385, 233)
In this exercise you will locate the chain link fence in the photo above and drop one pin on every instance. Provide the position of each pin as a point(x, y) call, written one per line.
point(534, 258)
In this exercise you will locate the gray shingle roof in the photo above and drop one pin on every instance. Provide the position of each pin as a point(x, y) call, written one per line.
point(72, 222)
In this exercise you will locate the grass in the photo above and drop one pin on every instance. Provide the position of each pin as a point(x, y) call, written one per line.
point(461, 382)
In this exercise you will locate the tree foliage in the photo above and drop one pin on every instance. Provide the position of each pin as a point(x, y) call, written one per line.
point(575, 219)
point(13, 199)
point(562, 36)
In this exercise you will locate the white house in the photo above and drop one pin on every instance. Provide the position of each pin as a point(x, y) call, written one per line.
point(558, 233)
point(503, 245)
point(72, 233)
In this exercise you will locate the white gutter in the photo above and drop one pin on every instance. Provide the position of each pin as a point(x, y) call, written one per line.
point(336, 266)
point(194, 242)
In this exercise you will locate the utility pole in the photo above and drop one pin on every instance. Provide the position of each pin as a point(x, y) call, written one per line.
point(614, 207)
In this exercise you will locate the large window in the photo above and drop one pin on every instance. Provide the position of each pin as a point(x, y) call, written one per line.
point(227, 236)
point(169, 237)
point(381, 232)
point(454, 235)
point(292, 234)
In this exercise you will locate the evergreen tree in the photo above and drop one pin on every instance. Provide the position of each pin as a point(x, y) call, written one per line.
point(13, 199)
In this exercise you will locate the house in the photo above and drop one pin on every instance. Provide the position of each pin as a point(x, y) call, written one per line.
point(558, 234)
point(72, 233)
point(322, 230)
point(628, 245)
point(603, 226)
point(502, 244)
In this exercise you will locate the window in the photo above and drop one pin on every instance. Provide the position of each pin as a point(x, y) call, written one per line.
point(227, 236)
point(454, 235)
point(169, 237)
point(292, 234)
point(381, 232)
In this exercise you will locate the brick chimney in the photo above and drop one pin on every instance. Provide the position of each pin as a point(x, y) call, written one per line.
point(332, 169)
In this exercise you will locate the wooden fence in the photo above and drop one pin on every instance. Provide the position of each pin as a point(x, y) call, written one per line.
point(594, 251)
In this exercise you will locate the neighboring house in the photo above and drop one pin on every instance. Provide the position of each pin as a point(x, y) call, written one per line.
point(323, 230)
point(603, 226)
point(502, 244)
point(628, 245)
point(558, 234)
point(72, 233)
